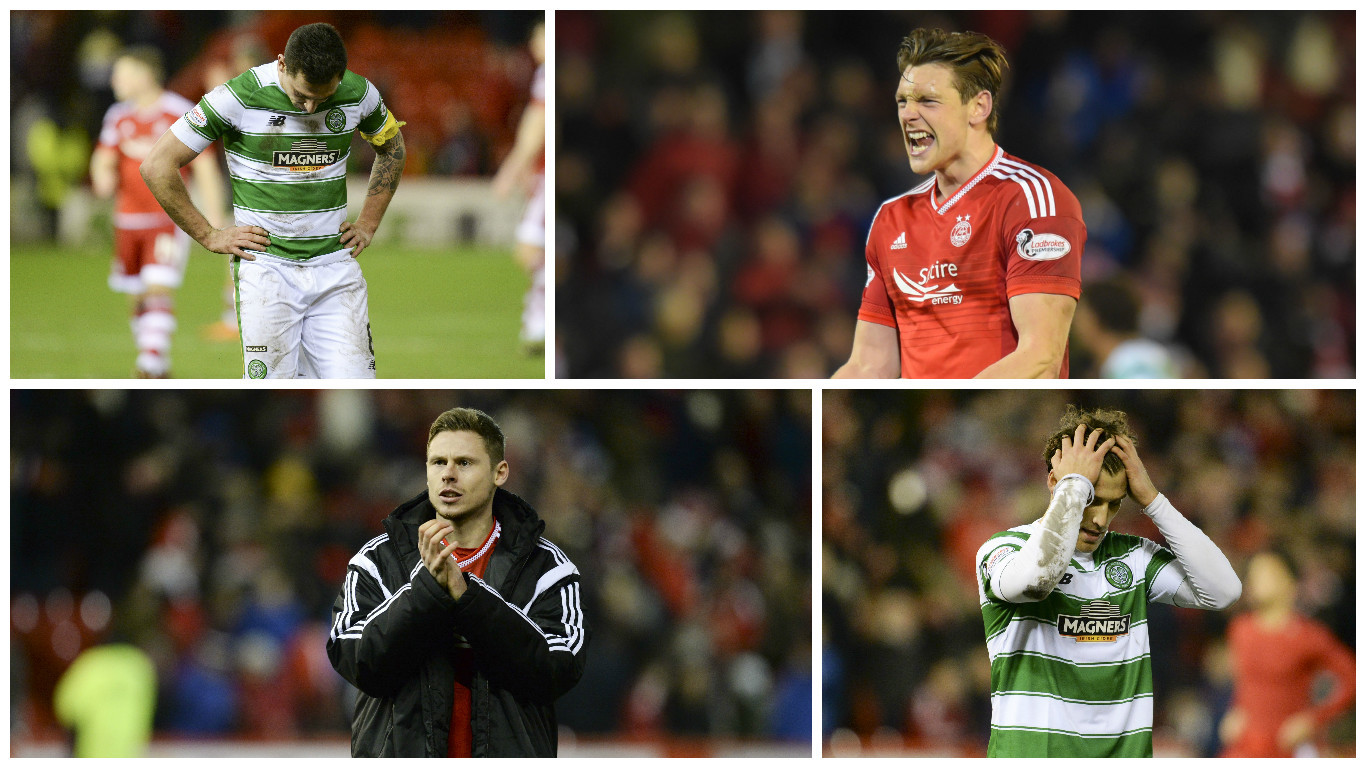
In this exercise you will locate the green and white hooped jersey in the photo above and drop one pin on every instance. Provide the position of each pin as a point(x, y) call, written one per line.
point(288, 168)
point(1071, 675)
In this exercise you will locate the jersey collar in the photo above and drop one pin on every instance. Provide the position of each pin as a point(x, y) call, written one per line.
point(493, 536)
point(963, 190)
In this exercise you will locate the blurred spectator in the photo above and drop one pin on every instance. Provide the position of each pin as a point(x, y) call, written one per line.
point(914, 482)
point(1278, 657)
point(1213, 154)
point(1106, 327)
point(225, 522)
point(106, 699)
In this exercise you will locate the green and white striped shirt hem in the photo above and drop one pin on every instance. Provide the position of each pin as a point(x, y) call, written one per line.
point(1023, 741)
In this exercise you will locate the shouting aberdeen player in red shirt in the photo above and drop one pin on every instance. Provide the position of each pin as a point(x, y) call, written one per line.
point(975, 272)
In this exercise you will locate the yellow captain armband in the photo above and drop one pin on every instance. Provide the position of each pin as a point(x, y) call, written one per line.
point(386, 132)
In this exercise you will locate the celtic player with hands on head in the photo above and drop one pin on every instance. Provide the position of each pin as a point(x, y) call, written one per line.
point(1064, 600)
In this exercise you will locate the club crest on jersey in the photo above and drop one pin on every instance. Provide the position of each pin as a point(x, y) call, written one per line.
point(1044, 246)
point(336, 120)
point(1119, 575)
point(961, 231)
point(1100, 622)
point(306, 155)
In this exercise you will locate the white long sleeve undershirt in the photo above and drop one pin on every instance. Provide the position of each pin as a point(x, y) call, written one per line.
point(1210, 583)
point(1040, 564)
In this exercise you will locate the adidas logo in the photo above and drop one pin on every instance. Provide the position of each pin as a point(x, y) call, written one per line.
point(900, 242)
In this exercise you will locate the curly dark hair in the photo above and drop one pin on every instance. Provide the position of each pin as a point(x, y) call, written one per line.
point(1110, 423)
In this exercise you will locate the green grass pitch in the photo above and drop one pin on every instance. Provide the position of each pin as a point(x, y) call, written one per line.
point(434, 313)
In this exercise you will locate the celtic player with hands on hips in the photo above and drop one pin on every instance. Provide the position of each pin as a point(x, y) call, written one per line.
point(286, 127)
point(1064, 600)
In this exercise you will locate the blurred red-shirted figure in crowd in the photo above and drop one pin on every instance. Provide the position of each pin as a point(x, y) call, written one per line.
point(1277, 655)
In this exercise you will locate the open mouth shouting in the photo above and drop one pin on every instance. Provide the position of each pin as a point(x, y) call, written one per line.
point(918, 141)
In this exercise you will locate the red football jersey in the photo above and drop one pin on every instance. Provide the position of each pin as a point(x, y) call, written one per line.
point(132, 132)
point(942, 272)
point(460, 740)
point(1274, 674)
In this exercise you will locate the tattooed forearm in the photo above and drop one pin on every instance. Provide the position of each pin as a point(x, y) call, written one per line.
point(388, 167)
point(384, 176)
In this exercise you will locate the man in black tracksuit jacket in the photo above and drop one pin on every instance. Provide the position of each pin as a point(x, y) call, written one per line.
point(396, 624)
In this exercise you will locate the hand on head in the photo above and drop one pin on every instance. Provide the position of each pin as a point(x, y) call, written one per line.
point(1082, 453)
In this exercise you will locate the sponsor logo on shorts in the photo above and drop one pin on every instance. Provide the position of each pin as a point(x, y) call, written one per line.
point(336, 120)
point(255, 349)
point(256, 369)
point(1119, 575)
point(1044, 246)
point(306, 155)
point(196, 117)
point(276, 121)
point(1100, 622)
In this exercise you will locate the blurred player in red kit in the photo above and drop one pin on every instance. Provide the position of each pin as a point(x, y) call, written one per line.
point(1277, 654)
point(149, 250)
point(524, 168)
point(976, 272)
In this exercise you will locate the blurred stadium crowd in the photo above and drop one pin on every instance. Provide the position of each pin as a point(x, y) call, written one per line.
point(914, 482)
point(213, 530)
point(717, 172)
point(459, 78)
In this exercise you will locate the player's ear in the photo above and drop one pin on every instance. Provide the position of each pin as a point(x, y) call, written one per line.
point(1052, 479)
point(500, 473)
point(981, 108)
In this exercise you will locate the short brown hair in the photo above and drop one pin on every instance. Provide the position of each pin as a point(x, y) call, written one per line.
point(148, 57)
point(317, 52)
point(1110, 423)
point(471, 420)
point(978, 62)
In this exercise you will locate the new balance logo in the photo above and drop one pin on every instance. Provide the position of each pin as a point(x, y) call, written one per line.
point(900, 242)
point(277, 120)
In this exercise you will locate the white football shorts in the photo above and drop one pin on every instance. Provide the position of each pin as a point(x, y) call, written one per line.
point(309, 321)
